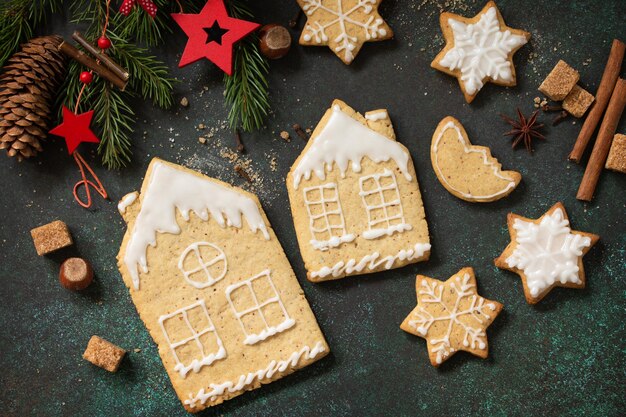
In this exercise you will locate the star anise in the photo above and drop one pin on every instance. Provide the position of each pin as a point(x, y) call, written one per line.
point(524, 129)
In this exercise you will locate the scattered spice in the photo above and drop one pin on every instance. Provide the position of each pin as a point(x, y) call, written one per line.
point(184, 102)
point(285, 136)
point(560, 117)
point(548, 108)
point(242, 172)
point(524, 129)
point(294, 21)
point(240, 147)
point(300, 132)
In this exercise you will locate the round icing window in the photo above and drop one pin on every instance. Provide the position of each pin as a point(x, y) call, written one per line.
point(202, 264)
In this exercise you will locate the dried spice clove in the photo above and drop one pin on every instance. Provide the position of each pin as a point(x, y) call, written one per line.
point(242, 172)
point(239, 144)
point(561, 116)
point(300, 132)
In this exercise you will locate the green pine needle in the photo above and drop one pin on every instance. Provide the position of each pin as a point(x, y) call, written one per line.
point(17, 20)
point(113, 114)
point(246, 91)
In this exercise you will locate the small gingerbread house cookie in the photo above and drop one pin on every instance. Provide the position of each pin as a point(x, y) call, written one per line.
point(354, 196)
point(225, 316)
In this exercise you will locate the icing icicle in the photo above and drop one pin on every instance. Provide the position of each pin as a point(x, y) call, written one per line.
point(170, 189)
point(344, 140)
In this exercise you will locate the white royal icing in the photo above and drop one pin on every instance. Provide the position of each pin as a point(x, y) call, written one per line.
point(333, 242)
point(481, 51)
point(215, 390)
point(474, 338)
point(170, 189)
point(467, 148)
point(205, 359)
point(126, 202)
point(320, 210)
point(388, 223)
point(257, 308)
point(376, 116)
point(547, 252)
point(372, 261)
point(203, 265)
point(346, 42)
point(344, 140)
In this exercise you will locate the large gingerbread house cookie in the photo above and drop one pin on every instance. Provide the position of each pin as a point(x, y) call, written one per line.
point(225, 316)
point(355, 199)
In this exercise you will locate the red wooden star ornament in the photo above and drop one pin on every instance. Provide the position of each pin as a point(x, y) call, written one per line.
point(75, 129)
point(212, 34)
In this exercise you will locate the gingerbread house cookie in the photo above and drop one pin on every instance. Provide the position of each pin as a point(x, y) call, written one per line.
point(355, 199)
point(226, 317)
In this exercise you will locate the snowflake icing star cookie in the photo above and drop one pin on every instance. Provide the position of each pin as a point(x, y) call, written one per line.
point(451, 316)
point(226, 317)
point(546, 252)
point(479, 49)
point(343, 25)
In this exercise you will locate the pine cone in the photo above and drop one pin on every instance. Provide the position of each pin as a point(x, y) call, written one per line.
point(27, 88)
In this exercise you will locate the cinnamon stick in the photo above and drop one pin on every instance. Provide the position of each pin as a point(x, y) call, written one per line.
point(607, 84)
point(72, 52)
point(105, 59)
point(603, 142)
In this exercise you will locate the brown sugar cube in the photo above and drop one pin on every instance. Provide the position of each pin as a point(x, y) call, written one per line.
point(578, 101)
point(617, 155)
point(75, 274)
point(560, 81)
point(104, 354)
point(51, 237)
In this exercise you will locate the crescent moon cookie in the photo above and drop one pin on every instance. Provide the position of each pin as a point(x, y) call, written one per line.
point(546, 252)
point(451, 316)
point(467, 171)
point(479, 49)
point(343, 25)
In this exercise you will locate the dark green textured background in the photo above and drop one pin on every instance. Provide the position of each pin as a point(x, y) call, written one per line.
point(564, 356)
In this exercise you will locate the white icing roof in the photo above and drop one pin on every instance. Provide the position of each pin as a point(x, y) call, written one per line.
point(344, 140)
point(170, 189)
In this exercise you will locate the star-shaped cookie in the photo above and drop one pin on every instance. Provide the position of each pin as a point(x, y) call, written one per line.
point(451, 316)
point(546, 252)
point(343, 25)
point(479, 49)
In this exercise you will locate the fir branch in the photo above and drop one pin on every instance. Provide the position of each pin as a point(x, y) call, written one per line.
point(246, 91)
point(17, 20)
point(113, 114)
point(148, 75)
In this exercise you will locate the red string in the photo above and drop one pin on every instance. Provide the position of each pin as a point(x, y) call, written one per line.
point(106, 20)
point(180, 6)
point(98, 187)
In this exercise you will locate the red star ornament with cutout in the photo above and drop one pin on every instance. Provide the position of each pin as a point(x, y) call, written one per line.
point(212, 34)
point(75, 129)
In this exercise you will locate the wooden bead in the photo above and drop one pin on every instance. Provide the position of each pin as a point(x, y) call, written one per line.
point(274, 41)
point(75, 274)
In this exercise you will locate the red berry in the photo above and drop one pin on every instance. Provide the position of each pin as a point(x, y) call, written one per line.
point(104, 43)
point(86, 77)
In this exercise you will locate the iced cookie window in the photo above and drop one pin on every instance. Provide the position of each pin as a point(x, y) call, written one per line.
point(381, 199)
point(202, 264)
point(258, 308)
point(192, 338)
point(326, 222)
